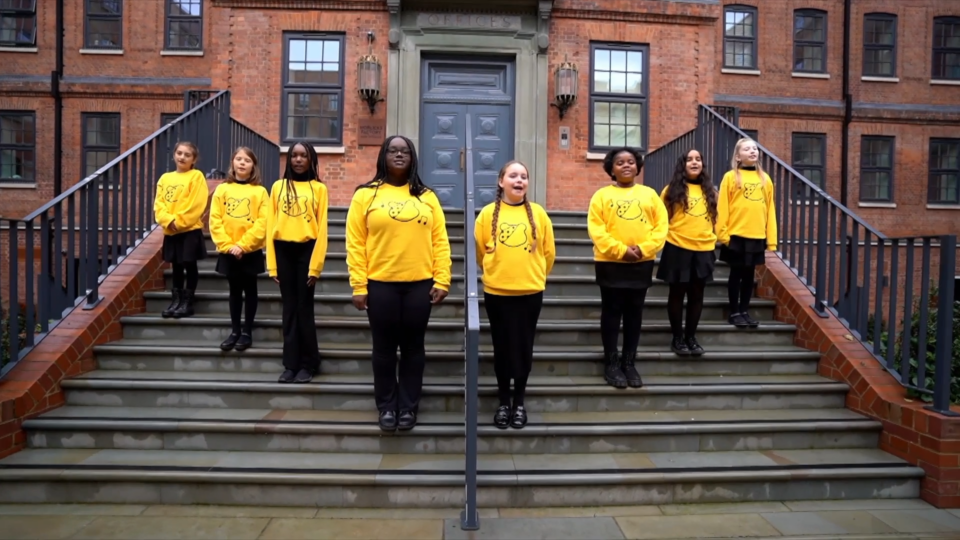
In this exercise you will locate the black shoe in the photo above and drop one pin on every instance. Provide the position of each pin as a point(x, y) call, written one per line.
point(287, 376)
point(229, 342)
point(612, 372)
point(631, 373)
point(502, 418)
point(750, 321)
point(679, 347)
point(407, 420)
point(519, 417)
point(185, 309)
point(244, 342)
point(175, 297)
point(694, 347)
point(304, 376)
point(388, 421)
point(737, 320)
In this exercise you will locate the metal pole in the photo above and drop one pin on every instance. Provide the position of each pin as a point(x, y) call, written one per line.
point(470, 517)
point(944, 340)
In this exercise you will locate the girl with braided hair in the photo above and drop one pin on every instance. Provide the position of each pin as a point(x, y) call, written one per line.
point(398, 255)
point(296, 248)
point(515, 248)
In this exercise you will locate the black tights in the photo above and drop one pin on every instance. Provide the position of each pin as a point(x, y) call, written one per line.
point(617, 304)
point(240, 285)
point(740, 288)
point(694, 293)
point(193, 275)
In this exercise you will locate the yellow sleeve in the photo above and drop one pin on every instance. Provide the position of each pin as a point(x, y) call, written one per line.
point(254, 237)
point(271, 225)
point(597, 228)
point(441, 246)
point(654, 241)
point(319, 254)
point(357, 242)
point(723, 212)
point(217, 231)
point(197, 203)
point(547, 244)
point(771, 216)
point(160, 210)
point(481, 235)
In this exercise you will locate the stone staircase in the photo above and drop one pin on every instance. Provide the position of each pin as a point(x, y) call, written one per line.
point(168, 418)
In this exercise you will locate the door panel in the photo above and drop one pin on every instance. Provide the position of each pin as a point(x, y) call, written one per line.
point(443, 136)
point(492, 147)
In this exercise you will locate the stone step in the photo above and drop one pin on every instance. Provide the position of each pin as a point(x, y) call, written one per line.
point(447, 331)
point(353, 359)
point(557, 286)
point(221, 390)
point(216, 304)
point(417, 480)
point(563, 266)
point(443, 433)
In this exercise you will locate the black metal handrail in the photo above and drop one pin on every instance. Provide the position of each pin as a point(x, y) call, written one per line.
point(848, 265)
point(470, 517)
point(86, 231)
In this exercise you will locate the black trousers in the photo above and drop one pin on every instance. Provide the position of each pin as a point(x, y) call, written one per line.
point(398, 314)
point(513, 325)
point(740, 288)
point(693, 291)
point(243, 285)
point(300, 348)
point(621, 304)
point(192, 273)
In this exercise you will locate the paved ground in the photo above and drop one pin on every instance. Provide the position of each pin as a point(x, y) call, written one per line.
point(860, 520)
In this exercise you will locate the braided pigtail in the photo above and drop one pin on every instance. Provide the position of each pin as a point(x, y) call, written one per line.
point(496, 218)
point(533, 224)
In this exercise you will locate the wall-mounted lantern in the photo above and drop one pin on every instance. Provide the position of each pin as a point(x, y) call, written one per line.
point(368, 77)
point(565, 84)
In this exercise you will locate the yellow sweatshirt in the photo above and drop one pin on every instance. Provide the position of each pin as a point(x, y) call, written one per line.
point(393, 236)
point(238, 217)
point(517, 265)
point(748, 211)
point(623, 217)
point(298, 215)
point(691, 227)
point(181, 199)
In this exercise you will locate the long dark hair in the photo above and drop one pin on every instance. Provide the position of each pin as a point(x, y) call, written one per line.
point(677, 190)
point(314, 173)
point(499, 199)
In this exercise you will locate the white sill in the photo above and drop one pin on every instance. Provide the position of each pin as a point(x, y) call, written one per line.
point(799, 75)
point(596, 156)
point(944, 82)
point(943, 207)
point(102, 51)
point(17, 185)
point(181, 53)
point(881, 79)
point(877, 205)
point(19, 49)
point(734, 71)
point(320, 149)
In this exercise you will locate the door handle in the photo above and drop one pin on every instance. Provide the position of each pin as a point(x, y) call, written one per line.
point(463, 159)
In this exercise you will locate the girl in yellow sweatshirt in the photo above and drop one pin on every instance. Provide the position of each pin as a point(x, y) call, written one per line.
point(689, 254)
point(296, 248)
point(398, 256)
point(628, 225)
point(516, 250)
point(746, 224)
point(238, 227)
point(178, 209)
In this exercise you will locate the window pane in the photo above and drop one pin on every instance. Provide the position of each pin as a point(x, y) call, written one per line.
point(878, 32)
point(601, 135)
point(17, 130)
point(946, 187)
point(879, 62)
point(634, 137)
point(946, 65)
point(634, 111)
point(298, 50)
point(20, 30)
point(808, 28)
point(601, 81)
point(25, 5)
point(944, 156)
point(313, 116)
point(635, 61)
point(331, 51)
point(103, 131)
point(104, 33)
point(104, 7)
point(618, 60)
point(634, 83)
point(185, 34)
point(618, 135)
point(601, 113)
point(739, 54)
point(185, 8)
point(618, 113)
point(618, 82)
point(314, 51)
point(97, 159)
point(946, 35)
point(739, 24)
point(17, 165)
point(601, 60)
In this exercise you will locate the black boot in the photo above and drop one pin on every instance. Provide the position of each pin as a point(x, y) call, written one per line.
point(186, 305)
point(175, 296)
point(612, 372)
point(630, 372)
point(679, 346)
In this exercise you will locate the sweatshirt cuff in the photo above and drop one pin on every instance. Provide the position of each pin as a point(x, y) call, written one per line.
point(360, 291)
point(772, 247)
point(441, 286)
point(272, 272)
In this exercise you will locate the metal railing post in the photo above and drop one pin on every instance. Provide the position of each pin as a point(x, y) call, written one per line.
point(944, 337)
point(470, 517)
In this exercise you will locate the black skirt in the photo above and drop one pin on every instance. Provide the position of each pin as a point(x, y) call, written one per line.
point(679, 265)
point(638, 275)
point(744, 251)
point(185, 247)
point(251, 264)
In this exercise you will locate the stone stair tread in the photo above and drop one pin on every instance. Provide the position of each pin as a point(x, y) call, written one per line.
point(587, 259)
point(173, 465)
point(273, 348)
point(553, 278)
point(145, 415)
